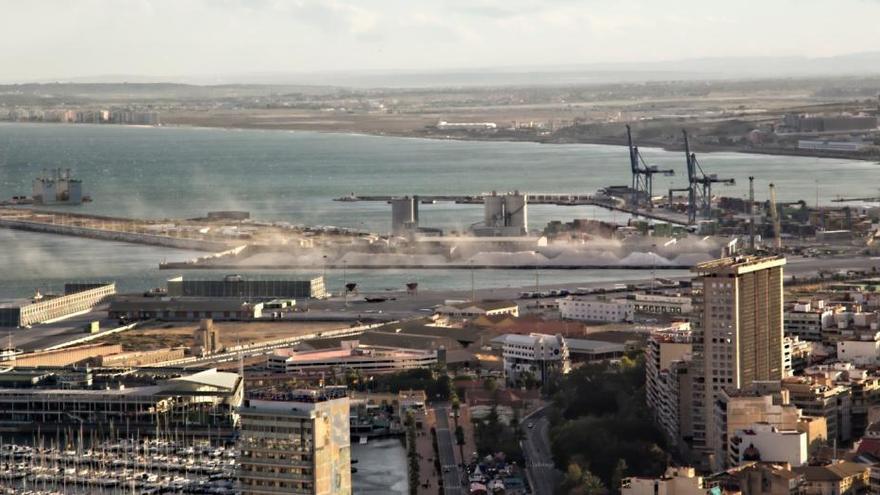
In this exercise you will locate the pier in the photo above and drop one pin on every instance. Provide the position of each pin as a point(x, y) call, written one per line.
point(556, 199)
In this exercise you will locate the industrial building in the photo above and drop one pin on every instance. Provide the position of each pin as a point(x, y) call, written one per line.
point(240, 287)
point(77, 298)
point(184, 309)
point(351, 355)
point(504, 215)
point(404, 215)
point(205, 403)
point(57, 188)
point(475, 309)
point(296, 442)
point(60, 357)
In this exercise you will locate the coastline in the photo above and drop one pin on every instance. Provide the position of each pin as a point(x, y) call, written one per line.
point(645, 144)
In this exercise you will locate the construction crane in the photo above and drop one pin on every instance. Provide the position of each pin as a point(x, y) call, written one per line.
point(699, 185)
point(774, 217)
point(642, 173)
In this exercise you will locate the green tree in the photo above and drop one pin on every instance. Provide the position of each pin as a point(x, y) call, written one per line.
point(618, 475)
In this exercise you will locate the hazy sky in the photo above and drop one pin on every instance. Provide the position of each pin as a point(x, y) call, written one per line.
point(74, 38)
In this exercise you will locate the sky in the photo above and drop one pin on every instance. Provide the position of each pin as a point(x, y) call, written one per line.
point(58, 39)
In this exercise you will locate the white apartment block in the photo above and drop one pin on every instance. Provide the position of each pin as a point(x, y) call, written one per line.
point(767, 443)
point(539, 354)
point(585, 309)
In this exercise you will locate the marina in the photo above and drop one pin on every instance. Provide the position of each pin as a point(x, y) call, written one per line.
point(151, 467)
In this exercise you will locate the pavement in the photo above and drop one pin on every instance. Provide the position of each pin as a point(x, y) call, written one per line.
point(46, 335)
point(543, 475)
point(452, 475)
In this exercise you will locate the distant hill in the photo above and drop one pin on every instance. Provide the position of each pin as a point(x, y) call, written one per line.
point(857, 64)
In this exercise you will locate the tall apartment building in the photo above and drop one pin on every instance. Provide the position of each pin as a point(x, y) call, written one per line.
point(668, 381)
point(295, 443)
point(738, 337)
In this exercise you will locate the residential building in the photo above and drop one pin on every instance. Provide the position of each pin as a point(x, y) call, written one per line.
point(806, 320)
point(740, 409)
point(738, 338)
point(536, 355)
point(767, 443)
point(668, 382)
point(760, 478)
point(839, 478)
point(592, 309)
point(661, 304)
point(296, 442)
point(862, 348)
point(676, 481)
point(833, 402)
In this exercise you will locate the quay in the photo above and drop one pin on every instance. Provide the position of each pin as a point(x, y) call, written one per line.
point(556, 199)
point(106, 228)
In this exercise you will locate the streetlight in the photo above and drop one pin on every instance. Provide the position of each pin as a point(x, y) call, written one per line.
point(473, 285)
point(345, 282)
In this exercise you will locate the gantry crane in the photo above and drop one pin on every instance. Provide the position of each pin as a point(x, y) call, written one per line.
point(642, 174)
point(700, 185)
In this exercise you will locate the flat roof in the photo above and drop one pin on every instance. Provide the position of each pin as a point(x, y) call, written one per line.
point(179, 303)
point(739, 265)
point(352, 354)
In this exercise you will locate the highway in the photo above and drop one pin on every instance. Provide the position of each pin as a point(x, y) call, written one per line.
point(452, 476)
point(539, 460)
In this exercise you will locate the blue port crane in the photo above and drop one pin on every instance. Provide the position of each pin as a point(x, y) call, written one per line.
point(642, 174)
point(699, 185)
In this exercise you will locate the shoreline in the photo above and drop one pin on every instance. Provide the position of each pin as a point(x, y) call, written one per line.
point(646, 144)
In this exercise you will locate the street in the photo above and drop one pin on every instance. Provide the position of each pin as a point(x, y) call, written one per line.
point(452, 476)
point(539, 459)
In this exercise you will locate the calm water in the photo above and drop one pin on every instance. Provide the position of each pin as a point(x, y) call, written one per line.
point(293, 176)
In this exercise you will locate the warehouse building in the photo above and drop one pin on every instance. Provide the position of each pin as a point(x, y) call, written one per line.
point(184, 309)
point(244, 288)
point(77, 298)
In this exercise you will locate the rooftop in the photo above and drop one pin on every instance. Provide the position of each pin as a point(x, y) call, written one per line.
point(739, 265)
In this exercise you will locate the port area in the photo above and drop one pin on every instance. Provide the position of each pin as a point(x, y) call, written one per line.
point(214, 235)
point(555, 199)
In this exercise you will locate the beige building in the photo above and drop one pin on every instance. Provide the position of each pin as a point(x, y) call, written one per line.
point(841, 478)
point(297, 443)
point(738, 336)
point(676, 481)
point(668, 381)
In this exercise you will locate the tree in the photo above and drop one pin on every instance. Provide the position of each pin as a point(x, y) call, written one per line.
point(618, 475)
point(490, 385)
point(459, 435)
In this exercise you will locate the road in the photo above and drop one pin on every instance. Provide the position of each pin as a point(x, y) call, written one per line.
point(539, 459)
point(452, 476)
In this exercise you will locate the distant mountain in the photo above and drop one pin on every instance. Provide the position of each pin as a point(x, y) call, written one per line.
point(857, 64)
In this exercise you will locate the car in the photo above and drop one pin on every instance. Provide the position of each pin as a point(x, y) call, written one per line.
point(531, 425)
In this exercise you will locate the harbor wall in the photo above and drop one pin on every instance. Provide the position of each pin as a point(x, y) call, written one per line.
point(112, 235)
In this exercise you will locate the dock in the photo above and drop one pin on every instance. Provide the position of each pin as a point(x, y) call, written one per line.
point(556, 199)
